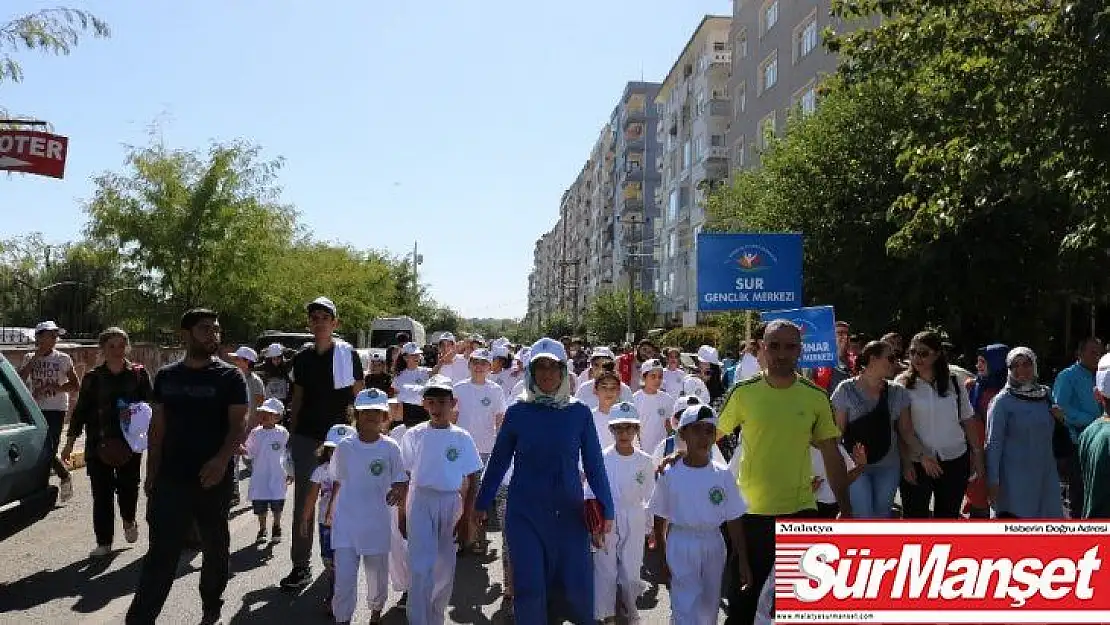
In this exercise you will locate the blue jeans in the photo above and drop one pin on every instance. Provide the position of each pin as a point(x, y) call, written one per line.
point(872, 493)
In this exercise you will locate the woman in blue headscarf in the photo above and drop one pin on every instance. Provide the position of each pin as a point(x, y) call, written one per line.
point(544, 435)
point(991, 373)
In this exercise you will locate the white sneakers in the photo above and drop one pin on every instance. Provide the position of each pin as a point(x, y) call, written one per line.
point(131, 532)
point(65, 490)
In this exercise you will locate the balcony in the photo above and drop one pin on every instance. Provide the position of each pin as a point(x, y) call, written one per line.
point(634, 134)
point(715, 153)
point(719, 57)
point(635, 113)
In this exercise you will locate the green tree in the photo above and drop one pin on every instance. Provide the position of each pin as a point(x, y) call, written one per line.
point(55, 31)
point(607, 315)
point(557, 325)
point(202, 229)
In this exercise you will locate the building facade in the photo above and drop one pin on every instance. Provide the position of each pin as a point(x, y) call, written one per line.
point(603, 217)
point(694, 116)
point(778, 60)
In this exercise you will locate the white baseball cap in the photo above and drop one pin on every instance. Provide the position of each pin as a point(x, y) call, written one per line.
point(651, 365)
point(624, 412)
point(245, 353)
point(272, 405)
point(371, 399)
point(478, 338)
point(524, 354)
point(481, 354)
point(548, 348)
point(322, 303)
point(1102, 376)
point(410, 349)
point(500, 351)
point(684, 402)
point(602, 352)
point(708, 353)
point(499, 342)
point(273, 350)
point(446, 336)
point(693, 414)
point(337, 433)
point(439, 382)
point(49, 326)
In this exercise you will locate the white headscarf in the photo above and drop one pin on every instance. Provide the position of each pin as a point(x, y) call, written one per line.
point(533, 395)
point(1025, 390)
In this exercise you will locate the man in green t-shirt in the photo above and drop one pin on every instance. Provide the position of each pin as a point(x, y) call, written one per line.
point(1094, 450)
point(781, 414)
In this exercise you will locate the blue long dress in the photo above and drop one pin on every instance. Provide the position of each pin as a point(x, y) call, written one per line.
point(1020, 461)
point(549, 544)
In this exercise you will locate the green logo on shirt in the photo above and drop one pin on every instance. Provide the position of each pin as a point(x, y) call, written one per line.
point(376, 468)
point(452, 454)
point(640, 477)
point(275, 446)
point(716, 495)
point(486, 401)
point(662, 412)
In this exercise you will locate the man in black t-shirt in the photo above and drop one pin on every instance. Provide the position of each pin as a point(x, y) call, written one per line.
point(199, 423)
point(317, 405)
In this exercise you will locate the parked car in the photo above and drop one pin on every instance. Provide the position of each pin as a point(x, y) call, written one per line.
point(26, 494)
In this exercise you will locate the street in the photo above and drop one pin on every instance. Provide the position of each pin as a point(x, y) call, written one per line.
point(48, 578)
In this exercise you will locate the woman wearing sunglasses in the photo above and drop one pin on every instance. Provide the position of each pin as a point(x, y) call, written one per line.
point(941, 412)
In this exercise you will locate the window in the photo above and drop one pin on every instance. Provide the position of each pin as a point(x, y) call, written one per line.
point(699, 149)
point(769, 72)
point(672, 207)
point(766, 131)
point(717, 141)
point(740, 46)
point(687, 157)
point(809, 100)
point(739, 158)
point(12, 409)
point(741, 100)
point(769, 16)
point(805, 37)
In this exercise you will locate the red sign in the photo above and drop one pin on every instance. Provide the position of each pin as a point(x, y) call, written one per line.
point(33, 152)
point(941, 572)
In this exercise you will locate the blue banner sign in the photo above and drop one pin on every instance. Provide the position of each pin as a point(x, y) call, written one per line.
point(818, 325)
point(749, 271)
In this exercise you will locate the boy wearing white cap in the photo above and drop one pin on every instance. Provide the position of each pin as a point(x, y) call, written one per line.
point(50, 375)
point(600, 361)
point(271, 471)
point(694, 497)
point(244, 358)
point(631, 479)
point(607, 392)
point(443, 465)
point(674, 443)
point(1093, 452)
point(653, 405)
point(369, 478)
point(481, 409)
point(319, 497)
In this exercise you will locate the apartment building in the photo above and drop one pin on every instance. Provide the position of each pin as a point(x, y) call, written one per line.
point(778, 59)
point(694, 115)
point(602, 215)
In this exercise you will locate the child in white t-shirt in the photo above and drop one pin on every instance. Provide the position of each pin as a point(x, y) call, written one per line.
point(696, 496)
point(674, 442)
point(827, 508)
point(319, 498)
point(266, 446)
point(444, 466)
point(399, 544)
point(631, 479)
point(607, 388)
point(654, 406)
point(369, 478)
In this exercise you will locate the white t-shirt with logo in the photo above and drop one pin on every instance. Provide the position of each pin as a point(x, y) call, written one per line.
point(632, 481)
point(586, 394)
point(479, 405)
point(439, 458)
point(698, 498)
point(365, 473)
point(654, 409)
point(52, 368)
point(416, 375)
point(322, 475)
point(601, 424)
point(266, 448)
point(672, 381)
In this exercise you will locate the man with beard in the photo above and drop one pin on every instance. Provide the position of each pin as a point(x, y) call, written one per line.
point(199, 422)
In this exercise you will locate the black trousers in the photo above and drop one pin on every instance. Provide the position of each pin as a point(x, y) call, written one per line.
point(946, 491)
point(171, 510)
point(55, 421)
point(759, 536)
point(108, 484)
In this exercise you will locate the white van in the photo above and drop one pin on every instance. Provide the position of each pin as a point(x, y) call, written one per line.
point(383, 333)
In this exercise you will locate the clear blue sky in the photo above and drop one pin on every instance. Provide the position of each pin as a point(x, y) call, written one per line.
point(454, 124)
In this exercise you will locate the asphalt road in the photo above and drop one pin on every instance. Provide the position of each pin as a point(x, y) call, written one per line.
point(47, 577)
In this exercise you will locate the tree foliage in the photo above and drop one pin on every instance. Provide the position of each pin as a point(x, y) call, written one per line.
point(954, 173)
point(690, 339)
point(557, 325)
point(607, 315)
point(55, 31)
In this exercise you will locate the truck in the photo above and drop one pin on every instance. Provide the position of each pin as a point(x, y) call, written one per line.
point(383, 333)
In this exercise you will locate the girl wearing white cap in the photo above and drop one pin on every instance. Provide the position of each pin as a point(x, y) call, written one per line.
point(369, 477)
point(271, 472)
point(653, 405)
point(709, 373)
point(409, 369)
point(691, 501)
point(631, 479)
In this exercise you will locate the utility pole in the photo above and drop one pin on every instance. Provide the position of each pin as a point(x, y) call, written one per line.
point(630, 221)
point(416, 260)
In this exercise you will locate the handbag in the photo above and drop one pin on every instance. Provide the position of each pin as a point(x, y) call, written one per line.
point(595, 519)
point(873, 430)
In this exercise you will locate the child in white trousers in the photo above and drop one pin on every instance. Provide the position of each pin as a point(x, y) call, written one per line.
point(399, 545)
point(443, 465)
point(696, 496)
point(369, 478)
point(632, 480)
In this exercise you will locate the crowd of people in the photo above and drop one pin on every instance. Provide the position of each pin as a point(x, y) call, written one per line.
point(586, 459)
